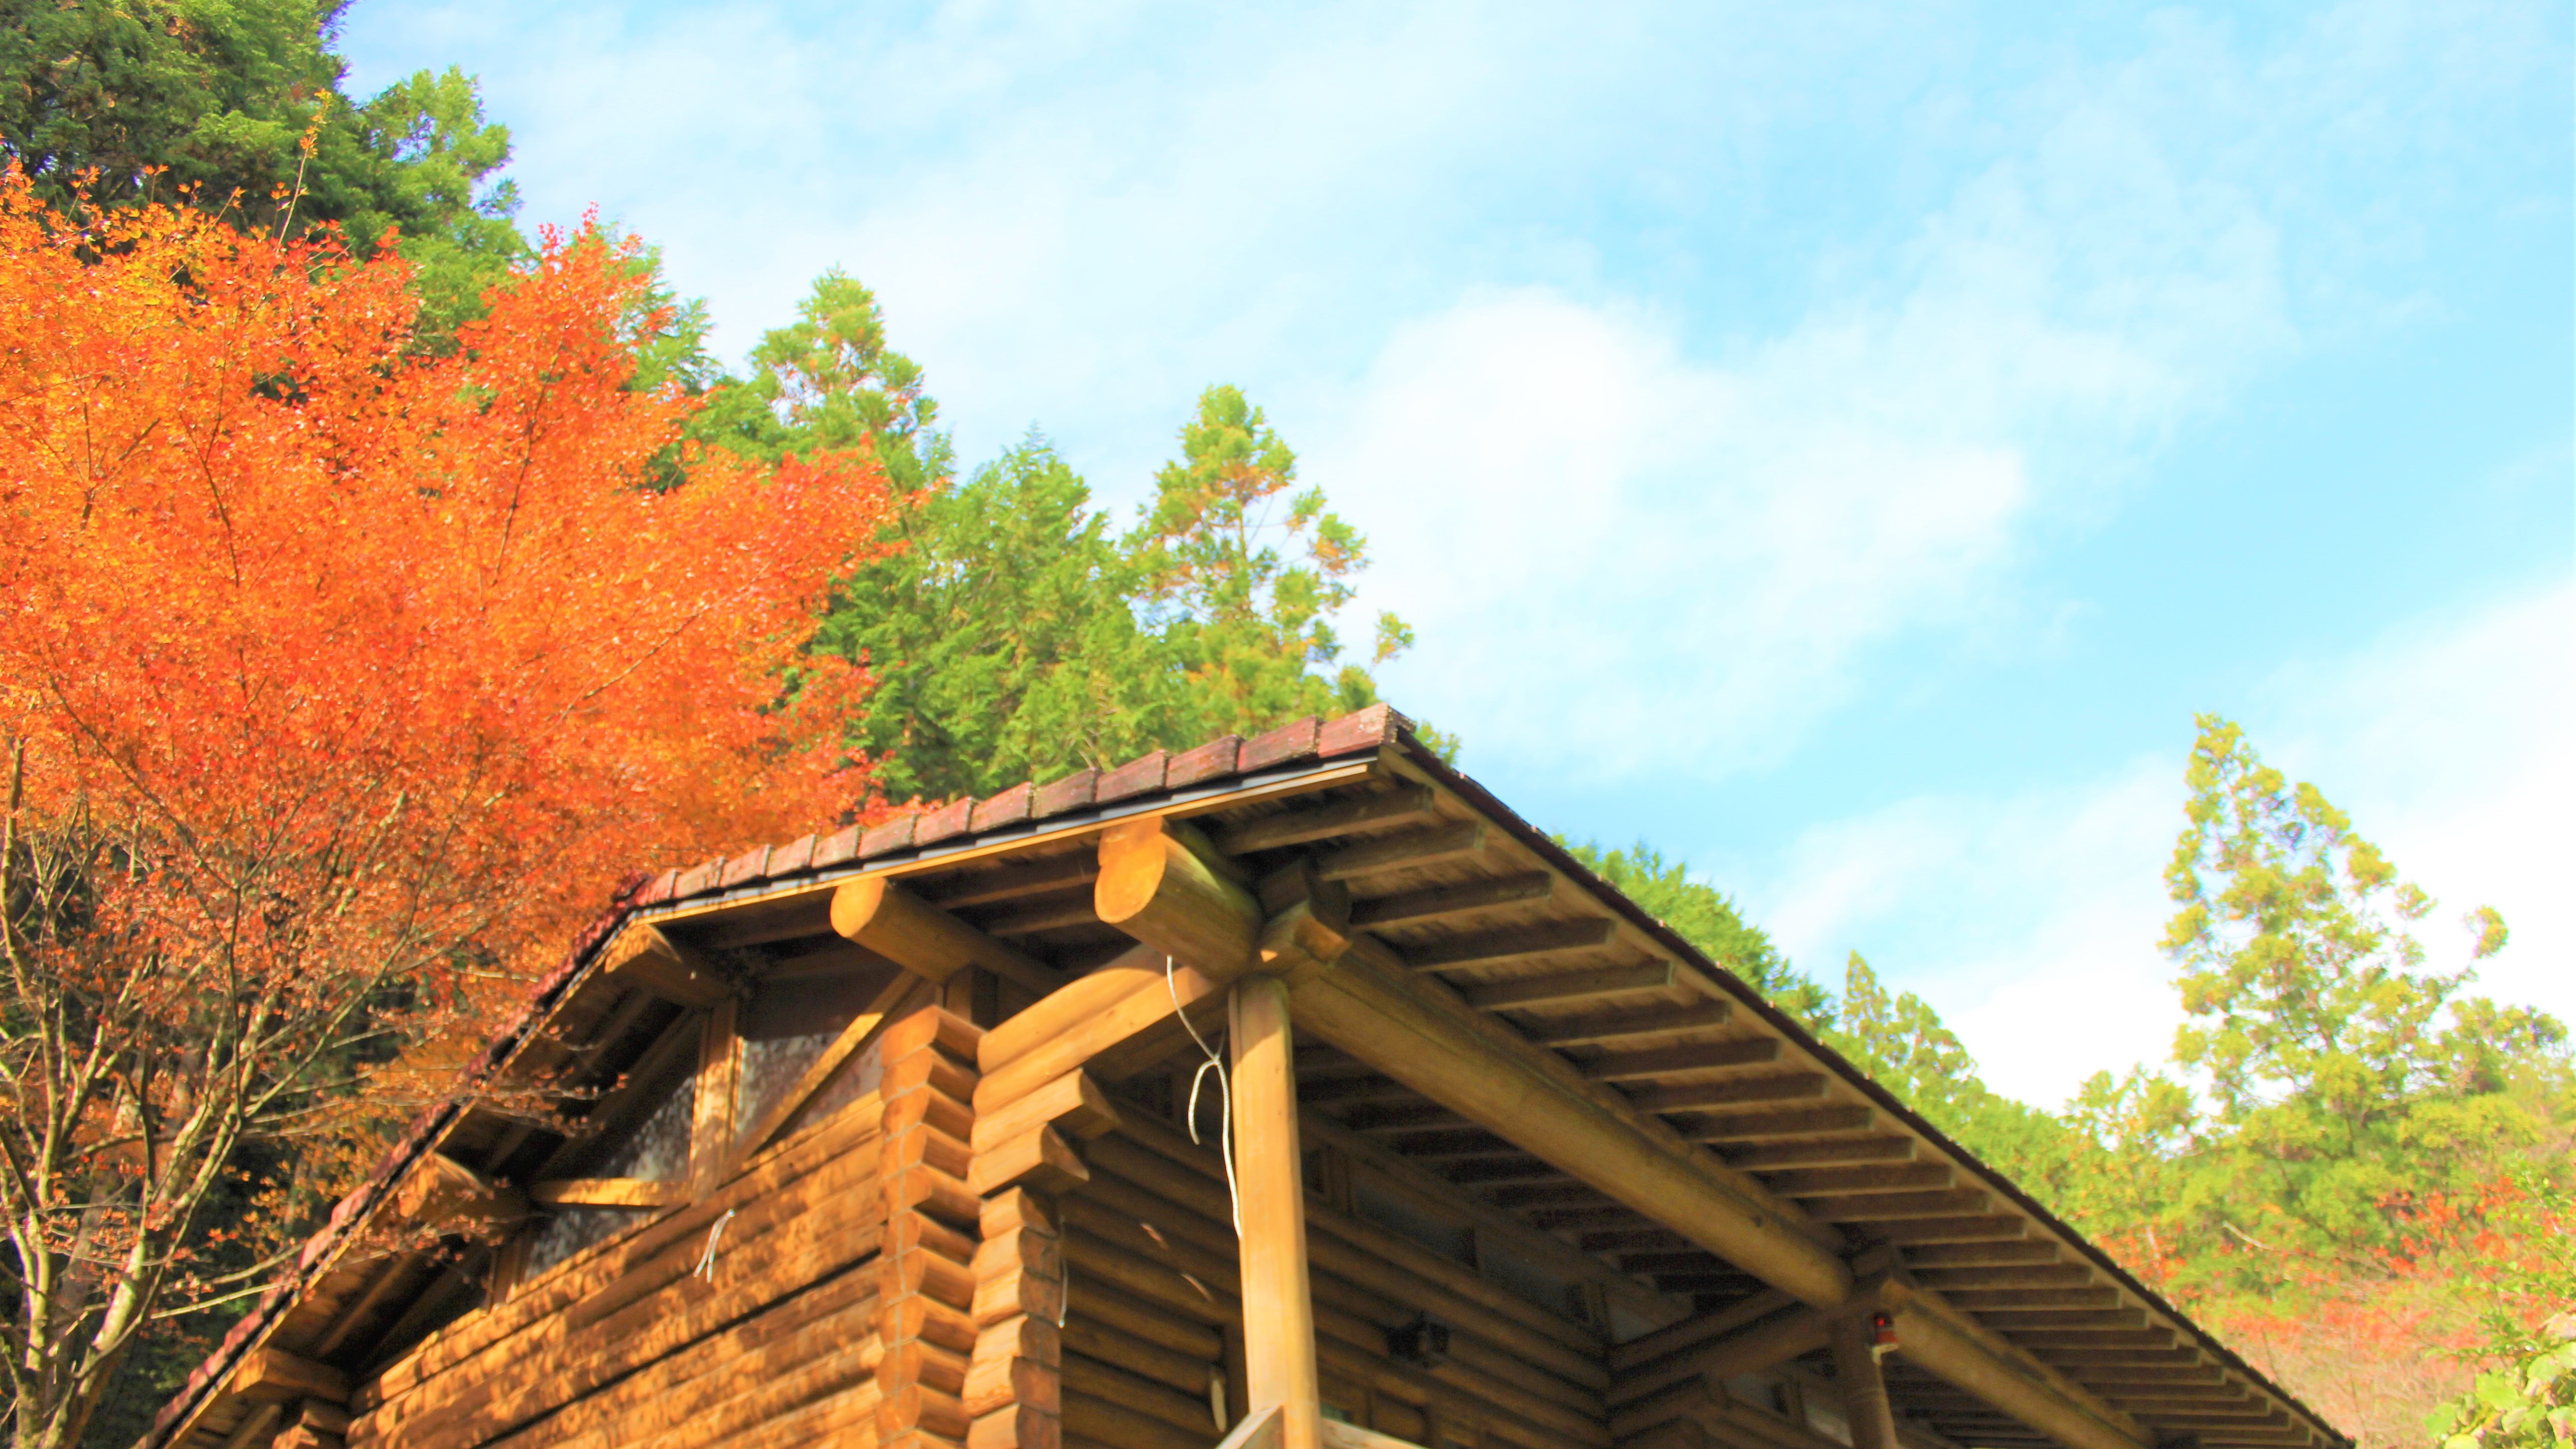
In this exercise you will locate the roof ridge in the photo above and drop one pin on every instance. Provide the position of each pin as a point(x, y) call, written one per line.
point(1227, 756)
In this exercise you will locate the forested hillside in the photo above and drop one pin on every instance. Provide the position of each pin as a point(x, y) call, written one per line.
point(2351, 1164)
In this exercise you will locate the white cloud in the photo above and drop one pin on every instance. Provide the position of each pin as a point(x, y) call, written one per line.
point(1706, 551)
point(2030, 920)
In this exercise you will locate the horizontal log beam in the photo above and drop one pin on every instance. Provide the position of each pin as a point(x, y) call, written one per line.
point(273, 1374)
point(644, 958)
point(620, 1192)
point(1572, 987)
point(1479, 1069)
point(1154, 887)
point(928, 942)
point(1972, 1358)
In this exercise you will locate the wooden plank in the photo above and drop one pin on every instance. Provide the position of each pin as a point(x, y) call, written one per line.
point(622, 1192)
point(719, 1081)
point(1056, 915)
point(1572, 987)
point(1700, 1096)
point(1629, 1024)
point(1298, 827)
point(1011, 882)
point(1952, 1255)
point(1403, 852)
point(1278, 1304)
point(1830, 1152)
point(1815, 1182)
point(1788, 1122)
point(1978, 1300)
point(1488, 948)
point(1438, 902)
point(1895, 1206)
point(272, 1374)
point(1658, 1063)
point(1974, 1229)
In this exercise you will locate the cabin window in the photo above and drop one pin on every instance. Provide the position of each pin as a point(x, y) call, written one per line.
point(793, 1015)
point(652, 1144)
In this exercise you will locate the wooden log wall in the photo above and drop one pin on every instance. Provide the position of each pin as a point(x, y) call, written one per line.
point(772, 1339)
point(1153, 1339)
point(926, 1279)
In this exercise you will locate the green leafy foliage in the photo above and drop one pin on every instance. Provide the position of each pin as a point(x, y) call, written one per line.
point(1013, 635)
point(1243, 576)
point(1703, 915)
point(2344, 1076)
point(1902, 1042)
point(1002, 639)
point(237, 105)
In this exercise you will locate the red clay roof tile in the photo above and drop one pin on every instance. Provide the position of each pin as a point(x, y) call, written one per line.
point(944, 823)
point(1011, 807)
point(697, 880)
point(1070, 793)
point(1372, 728)
point(1211, 761)
point(1141, 776)
point(792, 859)
point(1294, 740)
point(748, 866)
point(888, 838)
point(838, 848)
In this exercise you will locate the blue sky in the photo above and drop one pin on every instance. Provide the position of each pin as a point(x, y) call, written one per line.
point(1843, 445)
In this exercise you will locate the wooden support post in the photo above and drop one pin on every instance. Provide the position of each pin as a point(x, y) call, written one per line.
point(1278, 1307)
point(1863, 1387)
point(932, 1229)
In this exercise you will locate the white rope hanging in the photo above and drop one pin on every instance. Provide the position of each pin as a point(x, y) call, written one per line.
point(1225, 1093)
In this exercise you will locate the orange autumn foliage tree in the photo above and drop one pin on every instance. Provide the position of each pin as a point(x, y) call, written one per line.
point(336, 682)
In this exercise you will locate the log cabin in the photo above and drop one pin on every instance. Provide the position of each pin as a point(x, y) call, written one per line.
point(1285, 1092)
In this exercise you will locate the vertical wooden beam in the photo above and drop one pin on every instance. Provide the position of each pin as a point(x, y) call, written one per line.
point(1278, 1309)
point(719, 1078)
point(1862, 1386)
